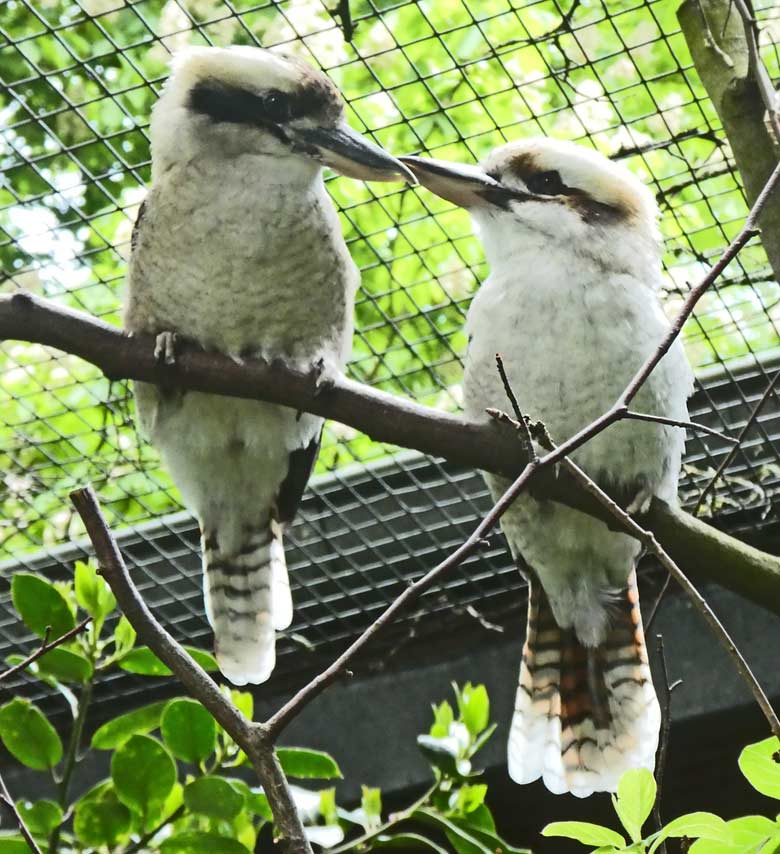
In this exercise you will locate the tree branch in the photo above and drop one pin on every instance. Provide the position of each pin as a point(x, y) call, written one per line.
point(491, 446)
point(45, 647)
point(252, 738)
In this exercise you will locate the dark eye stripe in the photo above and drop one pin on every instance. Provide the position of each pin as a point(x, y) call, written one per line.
point(223, 103)
point(548, 184)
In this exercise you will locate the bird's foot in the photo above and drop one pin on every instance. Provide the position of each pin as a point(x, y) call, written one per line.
point(640, 503)
point(323, 375)
point(165, 348)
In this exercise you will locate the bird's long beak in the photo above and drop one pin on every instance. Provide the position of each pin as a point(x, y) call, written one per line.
point(467, 186)
point(350, 154)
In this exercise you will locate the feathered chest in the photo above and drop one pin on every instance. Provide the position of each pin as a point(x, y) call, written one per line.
point(239, 267)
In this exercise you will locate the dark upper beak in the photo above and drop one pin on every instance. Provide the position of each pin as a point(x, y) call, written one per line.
point(351, 154)
point(467, 186)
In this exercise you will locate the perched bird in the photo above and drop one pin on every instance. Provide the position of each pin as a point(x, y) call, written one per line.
point(238, 248)
point(571, 304)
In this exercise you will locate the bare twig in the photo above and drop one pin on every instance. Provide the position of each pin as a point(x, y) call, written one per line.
point(673, 422)
point(666, 726)
point(45, 647)
point(697, 600)
point(253, 738)
point(522, 422)
point(278, 721)
point(5, 797)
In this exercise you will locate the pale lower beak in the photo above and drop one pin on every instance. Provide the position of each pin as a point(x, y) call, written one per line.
point(350, 154)
point(466, 186)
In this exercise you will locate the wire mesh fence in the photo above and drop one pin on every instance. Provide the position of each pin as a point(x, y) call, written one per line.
point(452, 79)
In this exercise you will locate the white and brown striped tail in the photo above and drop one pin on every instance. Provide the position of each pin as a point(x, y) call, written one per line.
point(247, 596)
point(583, 715)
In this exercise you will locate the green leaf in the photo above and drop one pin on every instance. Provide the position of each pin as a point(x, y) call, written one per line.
point(328, 809)
point(443, 716)
point(480, 818)
point(40, 604)
point(197, 842)
point(474, 707)
point(143, 661)
point(585, 832)
point(124, 637)
point(461, 840)
point(189, 731)
point(65, 665)
point(634, 801)
point(408, 842)
point(468, 798)
point(92, 592)
point(442, 753)
point(41, 816)
point(116, 732)
point(746, 835)
point(100, 818)
point(244, 702)
point(143, 773)
point(760, 763)
point(308, 764)
point(488, 837)
point(371, 804)
point(696, 825)
point(14, 845)
point(213, 797)
point(28, 736)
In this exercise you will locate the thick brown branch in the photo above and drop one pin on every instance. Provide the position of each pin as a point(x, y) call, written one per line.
point(491, 446)
point(45, 647)
point(251, 737)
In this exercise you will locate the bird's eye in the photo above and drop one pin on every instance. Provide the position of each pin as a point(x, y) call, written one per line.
point(276, 106)
point(546, 184)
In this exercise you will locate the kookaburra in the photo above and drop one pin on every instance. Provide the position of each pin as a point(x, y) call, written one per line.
point(238, 248)
point(572, 306)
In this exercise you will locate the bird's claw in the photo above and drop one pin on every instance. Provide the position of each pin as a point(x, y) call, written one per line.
point(640, 503)
point(323, 378)
point(165, 348)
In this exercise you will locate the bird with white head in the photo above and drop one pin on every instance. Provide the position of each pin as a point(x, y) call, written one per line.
point(238, 248)
point(571, 304)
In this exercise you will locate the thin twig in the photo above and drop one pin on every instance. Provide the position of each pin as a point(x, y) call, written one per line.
point(252, 738)
point(727, 460)
point(45, 647)
point(522, 421)
point(147, 837)
point(666, 726)
point(673, 422)
point(5, 797)
point(699, 602)
point(276, 723)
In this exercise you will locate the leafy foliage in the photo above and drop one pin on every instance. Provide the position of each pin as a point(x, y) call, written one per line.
point(175, 775)
point(760, 763)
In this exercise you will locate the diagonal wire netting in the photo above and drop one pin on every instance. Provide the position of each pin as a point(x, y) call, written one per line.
point(453, 79)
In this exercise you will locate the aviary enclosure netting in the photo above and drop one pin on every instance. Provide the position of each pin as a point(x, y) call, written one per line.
point(452, 79)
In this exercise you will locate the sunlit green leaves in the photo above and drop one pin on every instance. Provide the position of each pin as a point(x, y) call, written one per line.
point(697, 825)
point(634, 801)
point(200, 842)
point(40, 817)
point(303, 763)
point(188, 730)
point(41, 605)
point(585, 832)
point(144, 662)
point(143, 773)
point(28, 735)
point(116, 732)
point(92, 592)
point(760, 763)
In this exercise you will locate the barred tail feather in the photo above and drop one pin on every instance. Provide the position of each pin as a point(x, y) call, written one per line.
point(583, 715)
point(247, 598)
